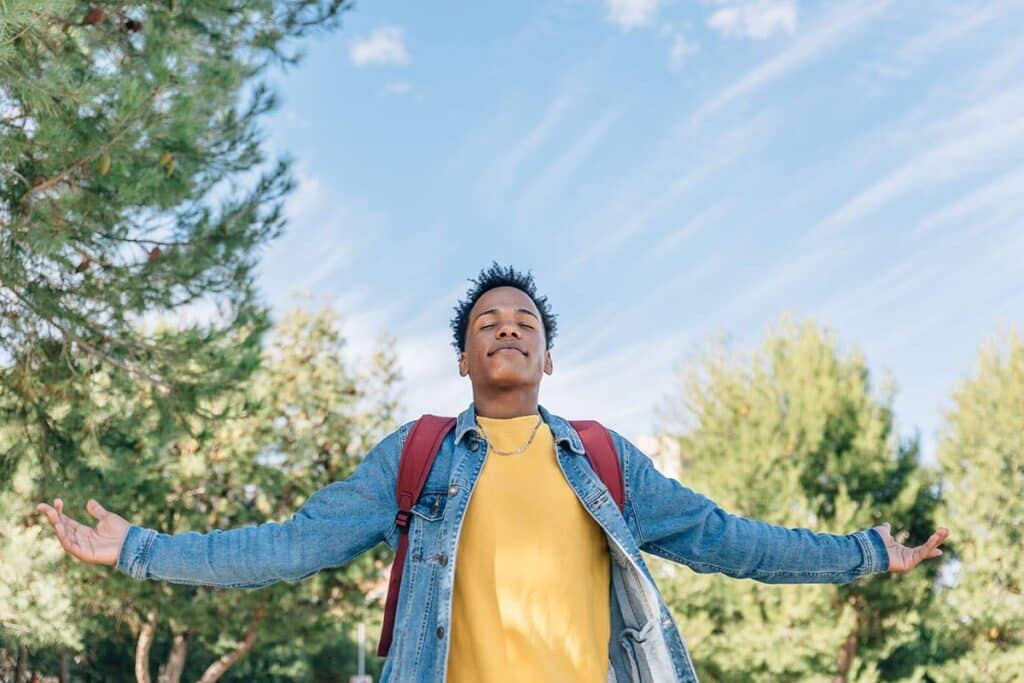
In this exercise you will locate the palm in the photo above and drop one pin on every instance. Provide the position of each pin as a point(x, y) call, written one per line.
point(903, 558)
point(99, 545)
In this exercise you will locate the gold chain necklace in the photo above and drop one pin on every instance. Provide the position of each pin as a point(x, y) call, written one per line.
point(519, 450)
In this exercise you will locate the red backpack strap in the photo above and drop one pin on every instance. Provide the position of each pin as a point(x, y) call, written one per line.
point(600, 450)
point(414, 465)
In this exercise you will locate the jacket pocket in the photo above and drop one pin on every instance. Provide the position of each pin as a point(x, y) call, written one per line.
point(427, 542)
point(431, 505)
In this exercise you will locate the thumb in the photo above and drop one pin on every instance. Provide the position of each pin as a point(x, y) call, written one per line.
point(95, 509)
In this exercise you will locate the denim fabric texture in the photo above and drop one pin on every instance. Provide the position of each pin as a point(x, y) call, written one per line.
point(661, 517)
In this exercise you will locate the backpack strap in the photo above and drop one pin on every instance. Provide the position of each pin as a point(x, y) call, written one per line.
point(604, 460)
point(414, 465)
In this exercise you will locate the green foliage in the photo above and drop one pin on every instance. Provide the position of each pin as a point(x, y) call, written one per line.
point(982, 458)
point(794, 435)
point(133, 183)
point(35, 608)
point(303, 419)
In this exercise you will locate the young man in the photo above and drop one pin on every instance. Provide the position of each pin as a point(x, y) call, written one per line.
point(520, 567)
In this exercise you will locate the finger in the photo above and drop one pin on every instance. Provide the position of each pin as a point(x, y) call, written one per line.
point(50, 513)
point(925, 551)
point(95, 509)
point(936, 539)
point(62, 536)
point(59, 504)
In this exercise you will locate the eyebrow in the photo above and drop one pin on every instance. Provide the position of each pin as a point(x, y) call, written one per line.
point(495, 310)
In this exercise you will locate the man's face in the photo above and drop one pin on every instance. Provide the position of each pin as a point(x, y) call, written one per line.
point(505, 344)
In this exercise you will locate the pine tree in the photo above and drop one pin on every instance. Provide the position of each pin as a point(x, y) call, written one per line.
point(133, 183)
point(793, 435)
point(982, 456)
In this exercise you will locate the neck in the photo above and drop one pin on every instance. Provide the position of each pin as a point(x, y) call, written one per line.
point(506, 403)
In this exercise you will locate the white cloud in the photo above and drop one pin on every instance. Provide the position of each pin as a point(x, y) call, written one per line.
point(631, 13)
point(384, 46)
point(839, 25)
point(755, 18)
point(680, 47)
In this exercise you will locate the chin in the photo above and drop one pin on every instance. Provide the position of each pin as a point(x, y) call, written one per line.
point(509, 379)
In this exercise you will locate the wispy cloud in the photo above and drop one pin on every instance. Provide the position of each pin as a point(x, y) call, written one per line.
point(631, 13)
point(316, 215)
point(688, 229)
point(1008, 187)
point(680, 47)
point(552, 180)
point(755, 18)
point(827, 34)
point(955, 22)
point(705, 164)
point(503, 171)
point(398, 88)
point(384, 45)
point(945, 162)
point(619, 388)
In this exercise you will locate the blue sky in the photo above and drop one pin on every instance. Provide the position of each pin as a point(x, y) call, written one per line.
point(670, 171)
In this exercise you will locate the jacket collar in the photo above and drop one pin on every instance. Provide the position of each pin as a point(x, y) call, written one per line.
point(561, 430)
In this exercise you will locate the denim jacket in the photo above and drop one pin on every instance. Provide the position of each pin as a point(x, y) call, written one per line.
point(661, 517)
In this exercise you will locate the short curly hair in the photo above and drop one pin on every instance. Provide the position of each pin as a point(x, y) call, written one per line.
point(497, 276)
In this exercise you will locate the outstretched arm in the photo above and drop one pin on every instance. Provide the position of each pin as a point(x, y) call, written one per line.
point(676, 523)
point(337, 523)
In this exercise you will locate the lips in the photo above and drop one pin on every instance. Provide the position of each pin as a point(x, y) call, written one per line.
point(506, 348)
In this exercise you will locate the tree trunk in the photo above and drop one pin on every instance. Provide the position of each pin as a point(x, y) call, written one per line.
point(217, 669)
point(65, 668)
point(142, 648)
point(170, 672)
point(22, 665)
point(847, 652)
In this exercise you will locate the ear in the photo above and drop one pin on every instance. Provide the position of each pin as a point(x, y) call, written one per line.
point(463, 364)
point(548, 367)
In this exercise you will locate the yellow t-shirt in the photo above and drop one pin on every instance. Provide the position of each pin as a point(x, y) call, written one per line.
point(532, 571)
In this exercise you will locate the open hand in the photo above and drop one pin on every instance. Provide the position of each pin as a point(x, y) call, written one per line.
point(99, 545)
point(901, 558)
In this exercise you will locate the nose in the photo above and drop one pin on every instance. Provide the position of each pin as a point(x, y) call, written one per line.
point(508, 328)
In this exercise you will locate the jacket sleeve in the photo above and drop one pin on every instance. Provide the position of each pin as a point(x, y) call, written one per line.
point(684, 526)
point(337, 523)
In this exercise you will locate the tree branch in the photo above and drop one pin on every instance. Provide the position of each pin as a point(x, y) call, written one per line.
point(142, 648)
point(218, 668)
point(50, 182)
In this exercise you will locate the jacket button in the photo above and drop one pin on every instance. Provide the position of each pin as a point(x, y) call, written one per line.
point(442, 559)
point(473, 445)
point(452, 490)
point(440, 632)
